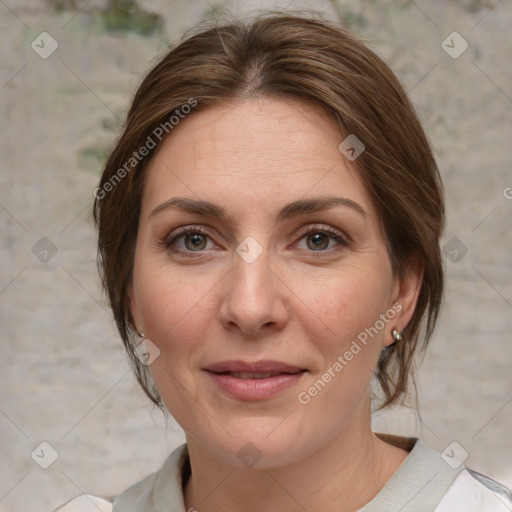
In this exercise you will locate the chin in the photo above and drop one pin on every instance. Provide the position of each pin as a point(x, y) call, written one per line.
point(260, 443)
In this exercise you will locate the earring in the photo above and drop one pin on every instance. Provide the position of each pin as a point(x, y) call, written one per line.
point(396, 335)
point(141, 334)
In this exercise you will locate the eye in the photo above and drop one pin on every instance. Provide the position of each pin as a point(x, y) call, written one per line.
point(318, 238)
point(193, 239)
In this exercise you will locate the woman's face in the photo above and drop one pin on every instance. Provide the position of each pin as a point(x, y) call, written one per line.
point(271, 310)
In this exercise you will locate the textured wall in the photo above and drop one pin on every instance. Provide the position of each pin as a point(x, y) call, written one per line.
point(65, 379)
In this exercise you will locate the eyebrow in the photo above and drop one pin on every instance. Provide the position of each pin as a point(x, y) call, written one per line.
point(294, 209)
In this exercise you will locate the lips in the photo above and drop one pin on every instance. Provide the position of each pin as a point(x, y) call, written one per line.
point(254, 381)
point(260, 367)
point(252, 375)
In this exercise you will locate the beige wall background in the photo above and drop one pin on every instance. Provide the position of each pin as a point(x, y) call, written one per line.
point(64, 378)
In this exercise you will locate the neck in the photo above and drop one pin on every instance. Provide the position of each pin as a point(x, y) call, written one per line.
point(342, 476)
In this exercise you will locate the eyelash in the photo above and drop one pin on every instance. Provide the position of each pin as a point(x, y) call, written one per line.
point(189, 230)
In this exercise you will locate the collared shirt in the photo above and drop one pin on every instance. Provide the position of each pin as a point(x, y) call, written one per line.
point(425, 482)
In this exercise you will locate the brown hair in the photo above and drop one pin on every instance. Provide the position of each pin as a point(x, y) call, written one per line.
point(304, 57)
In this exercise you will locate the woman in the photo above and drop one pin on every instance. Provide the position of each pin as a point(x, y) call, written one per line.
point(269, 226)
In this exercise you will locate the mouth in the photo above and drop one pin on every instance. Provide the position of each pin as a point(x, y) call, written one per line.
point(256, 367)
point(256, 375)
point(254, 381)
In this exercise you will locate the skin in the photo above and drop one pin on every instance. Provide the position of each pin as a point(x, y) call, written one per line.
point(294, 303)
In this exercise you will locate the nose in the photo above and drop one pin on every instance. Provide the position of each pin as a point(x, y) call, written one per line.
point(253, 297)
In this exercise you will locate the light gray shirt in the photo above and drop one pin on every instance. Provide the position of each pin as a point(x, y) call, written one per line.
point(426, 481)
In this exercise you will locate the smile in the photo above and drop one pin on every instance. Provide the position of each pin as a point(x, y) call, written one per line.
point(247, 375)
point(254, 385)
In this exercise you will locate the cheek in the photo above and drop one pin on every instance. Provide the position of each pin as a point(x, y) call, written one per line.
point(345, 326)
point(166, 296)
point(343, 308)
point(176, 311)
point(344, 305)
point(169, 310)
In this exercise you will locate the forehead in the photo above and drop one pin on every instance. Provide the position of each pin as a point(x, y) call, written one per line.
point(247, 151)
point(284, 130)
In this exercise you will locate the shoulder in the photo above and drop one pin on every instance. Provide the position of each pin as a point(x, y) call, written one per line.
point(474, 492)
point(86, 503)
point(427, 482)
point(161, 490)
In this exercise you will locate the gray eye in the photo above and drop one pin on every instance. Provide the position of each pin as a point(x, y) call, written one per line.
point(317, 241)
point(198, 241)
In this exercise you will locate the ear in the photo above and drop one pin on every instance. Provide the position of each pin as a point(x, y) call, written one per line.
point(406, 290)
